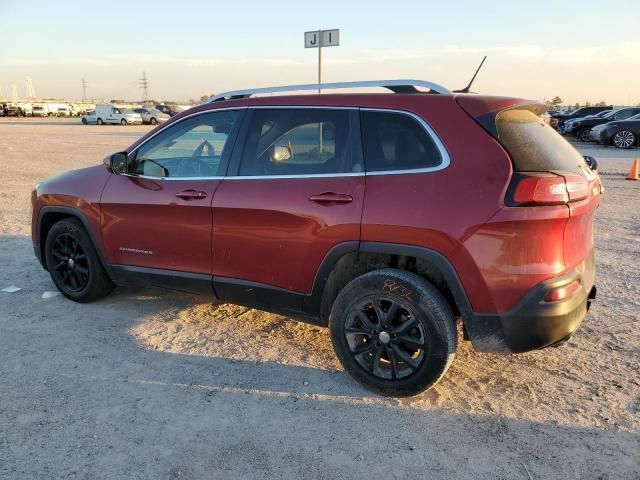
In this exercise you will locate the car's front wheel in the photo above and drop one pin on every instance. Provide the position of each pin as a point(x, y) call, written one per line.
point(624, 139)
point(84, 121)
point(123, 122)
point(393, 331)
point(153, 121)
point(73, 263)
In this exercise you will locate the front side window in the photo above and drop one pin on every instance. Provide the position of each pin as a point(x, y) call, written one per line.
point(396, 141)
point(192, 147)
point(296, 142)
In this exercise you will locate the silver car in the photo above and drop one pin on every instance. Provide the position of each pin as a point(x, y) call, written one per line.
point(151, 115)
point(89, 117)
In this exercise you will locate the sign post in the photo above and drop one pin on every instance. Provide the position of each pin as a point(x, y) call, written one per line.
point(318, 39)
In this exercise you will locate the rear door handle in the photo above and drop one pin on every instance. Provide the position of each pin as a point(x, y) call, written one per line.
point(192, 194)
point(331, 197)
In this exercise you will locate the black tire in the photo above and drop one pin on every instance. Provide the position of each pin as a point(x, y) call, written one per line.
point(400, 355)
point(99, 121)
point(153, 121)
point(73, 263)
point(624, 139)
point(84, 121)
point(583, 134)
point(123, 122)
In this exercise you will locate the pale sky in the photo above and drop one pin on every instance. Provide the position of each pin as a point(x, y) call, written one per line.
point(580, 50)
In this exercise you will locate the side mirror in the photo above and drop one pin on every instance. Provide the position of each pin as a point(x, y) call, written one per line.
point(281, 153)
point(591, 162)
point(118, 163)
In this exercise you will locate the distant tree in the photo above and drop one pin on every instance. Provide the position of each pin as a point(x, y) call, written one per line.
point(601, 104)
point(204, 98)
point(556, 101)
point(117, 101)
point(587, 104)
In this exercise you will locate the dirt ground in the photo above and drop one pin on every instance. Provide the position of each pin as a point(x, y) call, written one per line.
point(150, 384)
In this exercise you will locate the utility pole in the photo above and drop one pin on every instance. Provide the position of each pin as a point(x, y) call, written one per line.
point(85, 84)
point(31, 94)
point(144, 84)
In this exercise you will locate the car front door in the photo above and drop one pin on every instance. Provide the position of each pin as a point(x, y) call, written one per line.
point(295, 190)
point(158, 216)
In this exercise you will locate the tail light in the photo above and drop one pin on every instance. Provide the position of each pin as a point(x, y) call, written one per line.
point(536, 189)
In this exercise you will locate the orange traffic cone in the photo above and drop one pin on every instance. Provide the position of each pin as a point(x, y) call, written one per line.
point(633, 172)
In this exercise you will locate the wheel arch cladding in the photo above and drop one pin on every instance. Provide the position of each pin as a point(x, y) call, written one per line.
point(51, 215)
point(371, 256)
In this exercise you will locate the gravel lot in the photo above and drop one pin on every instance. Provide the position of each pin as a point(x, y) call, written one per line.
point(150, 384)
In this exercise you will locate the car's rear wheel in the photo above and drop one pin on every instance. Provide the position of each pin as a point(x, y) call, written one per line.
point(393, 331)
point(73, 263)
point(84, 121)
point(624, 139)
point(99, 121)
point(123, 122)
point(583, 135)
point(153, 121)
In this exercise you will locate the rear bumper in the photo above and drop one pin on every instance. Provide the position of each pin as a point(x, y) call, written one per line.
point(533, 324)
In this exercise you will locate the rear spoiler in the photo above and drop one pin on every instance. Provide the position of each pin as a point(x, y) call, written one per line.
point(485, 109)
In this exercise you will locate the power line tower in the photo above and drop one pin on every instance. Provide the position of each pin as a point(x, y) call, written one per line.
point(31, 94)
point(144, 85)
point(85, 84)
point(14, 92)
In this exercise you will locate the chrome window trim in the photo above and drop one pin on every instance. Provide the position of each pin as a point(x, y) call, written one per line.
point(147, 177)
point(280, 177)
point(446, 159)
point(444, 154)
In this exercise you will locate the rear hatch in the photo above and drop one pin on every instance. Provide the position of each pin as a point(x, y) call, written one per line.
point(549, 174)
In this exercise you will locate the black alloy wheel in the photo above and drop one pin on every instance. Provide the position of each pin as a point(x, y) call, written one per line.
point(385, 338)
point(72, 265)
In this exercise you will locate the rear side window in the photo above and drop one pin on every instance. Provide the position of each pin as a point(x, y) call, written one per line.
point(296, 142)
point(534, 146)
point(396, 141)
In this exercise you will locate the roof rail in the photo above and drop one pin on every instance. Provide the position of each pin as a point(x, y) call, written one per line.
point(396, 86)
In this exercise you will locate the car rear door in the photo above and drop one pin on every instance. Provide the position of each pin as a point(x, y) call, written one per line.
point(158, 216)
point(295, 190)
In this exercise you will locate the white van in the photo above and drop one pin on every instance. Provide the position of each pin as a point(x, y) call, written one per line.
point(108, 113)
point(40, 110)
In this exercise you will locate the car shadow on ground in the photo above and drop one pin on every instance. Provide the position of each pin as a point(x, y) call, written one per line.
point(148, 350)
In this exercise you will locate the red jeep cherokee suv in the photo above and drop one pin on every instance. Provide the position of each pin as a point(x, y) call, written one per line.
point(386, 216)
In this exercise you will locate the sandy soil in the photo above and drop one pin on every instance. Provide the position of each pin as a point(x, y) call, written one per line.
point(150, 384)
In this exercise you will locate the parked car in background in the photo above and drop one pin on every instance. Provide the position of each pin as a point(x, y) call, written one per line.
point(619, 133)
point(40, 110)
point(581, 128)
point(560, 118)
point(366, 213)
point(151, 115)
point(171, 110)
point(108, 113)
point(569, 125)
point(89, 118)
point(12, 110)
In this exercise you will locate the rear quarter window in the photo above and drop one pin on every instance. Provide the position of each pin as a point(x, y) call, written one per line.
point(395, 141)
point(534, 146)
